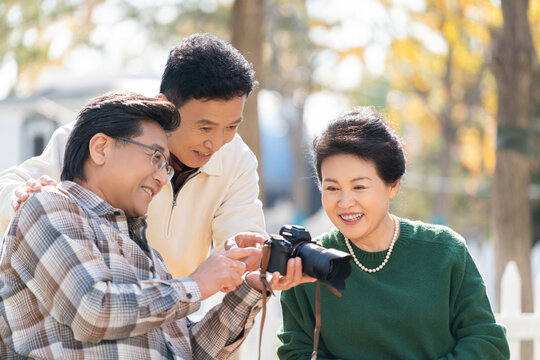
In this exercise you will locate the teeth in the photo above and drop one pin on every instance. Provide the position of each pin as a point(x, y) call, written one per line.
point(351, 217)
point(148, 191)
point(202, 154)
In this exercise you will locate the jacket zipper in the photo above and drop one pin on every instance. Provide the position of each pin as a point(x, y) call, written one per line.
point(176, 195)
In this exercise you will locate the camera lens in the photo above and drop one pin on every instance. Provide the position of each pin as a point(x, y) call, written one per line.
point(328, 265)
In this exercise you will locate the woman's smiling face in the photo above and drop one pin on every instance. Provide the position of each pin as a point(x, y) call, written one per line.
point(354, 197)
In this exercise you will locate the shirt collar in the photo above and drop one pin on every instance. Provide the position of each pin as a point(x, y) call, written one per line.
point(86, 199)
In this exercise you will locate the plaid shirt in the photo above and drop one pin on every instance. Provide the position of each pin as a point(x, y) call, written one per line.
point(78, 280)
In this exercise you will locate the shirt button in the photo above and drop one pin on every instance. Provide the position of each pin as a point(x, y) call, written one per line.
point(117, 213)
point(188, 295)
point(121, 252)
point(152, 268)
point(169, 343)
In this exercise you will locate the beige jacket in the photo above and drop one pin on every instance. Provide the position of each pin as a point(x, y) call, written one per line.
point(218, 202)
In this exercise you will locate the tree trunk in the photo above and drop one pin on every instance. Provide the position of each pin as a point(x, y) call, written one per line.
point(247, 36)
point(441, 207)
point(514, 66)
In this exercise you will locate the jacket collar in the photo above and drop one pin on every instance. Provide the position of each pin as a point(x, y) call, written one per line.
point(215, 165)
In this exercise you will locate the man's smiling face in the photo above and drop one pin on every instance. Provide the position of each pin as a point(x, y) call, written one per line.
point(205, 126)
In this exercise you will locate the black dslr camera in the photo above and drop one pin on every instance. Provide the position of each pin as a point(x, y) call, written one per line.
point(330, 266)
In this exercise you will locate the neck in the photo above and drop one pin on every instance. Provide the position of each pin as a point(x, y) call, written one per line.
point(93, 181)
point(179, 165)
point(380, 239)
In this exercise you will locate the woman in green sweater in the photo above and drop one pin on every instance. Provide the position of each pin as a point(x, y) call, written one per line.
point(414, 292)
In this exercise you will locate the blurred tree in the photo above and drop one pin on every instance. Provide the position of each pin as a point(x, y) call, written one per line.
point(40, 33)
point(288, 70)
point(514, 64)
point(247, 36)
point(440, 89)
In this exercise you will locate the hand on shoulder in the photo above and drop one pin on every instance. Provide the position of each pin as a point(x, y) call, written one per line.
point(21, 194)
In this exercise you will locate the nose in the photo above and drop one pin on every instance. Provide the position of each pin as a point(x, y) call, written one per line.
point(161, 176)
point(346, 200)
point(215, 142)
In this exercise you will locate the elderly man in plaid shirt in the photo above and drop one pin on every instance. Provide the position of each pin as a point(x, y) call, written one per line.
point(78, 279)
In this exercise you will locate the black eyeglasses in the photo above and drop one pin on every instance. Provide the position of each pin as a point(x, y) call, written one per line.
point(158, 159)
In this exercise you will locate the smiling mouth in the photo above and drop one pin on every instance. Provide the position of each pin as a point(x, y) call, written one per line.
point(351, 217)
point(148, 191)
point(203, 154)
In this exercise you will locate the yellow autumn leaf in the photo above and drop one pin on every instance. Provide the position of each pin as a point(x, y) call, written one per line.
point(488, 147)
point(470, 149)
point(450, 31)
point(354, 51)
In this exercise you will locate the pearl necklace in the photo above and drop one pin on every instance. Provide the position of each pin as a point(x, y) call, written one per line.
point(388, 253)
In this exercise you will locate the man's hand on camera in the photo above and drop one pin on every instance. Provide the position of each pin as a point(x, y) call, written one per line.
point(222, 271)
point(277, 281)
point(247, 240)
point(22, 193)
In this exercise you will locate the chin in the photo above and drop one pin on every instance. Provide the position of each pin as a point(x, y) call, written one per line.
point(139, 211)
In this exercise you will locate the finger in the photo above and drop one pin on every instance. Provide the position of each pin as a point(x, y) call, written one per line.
point(242, 253)
point(20, 192)
point(237, 279)
point(46, 180)
point(33, 185)
point(252, 263)
point(297, 271)
point(292, 265)
point(19, 197)
point(15, 204)
point(230, 244)
point(249, 239)
point(232, 282)
point(237, 267)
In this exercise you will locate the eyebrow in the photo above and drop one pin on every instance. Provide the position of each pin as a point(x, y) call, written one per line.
point(210, 122)
point(159, 147)
point(353, 180)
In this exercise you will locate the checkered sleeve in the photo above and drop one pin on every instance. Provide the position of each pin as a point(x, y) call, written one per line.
point(57, 258)
point(221, 332)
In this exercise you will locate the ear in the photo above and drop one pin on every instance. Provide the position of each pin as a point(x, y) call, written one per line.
point(99, 148)
point(393, 189)
point(162, 97)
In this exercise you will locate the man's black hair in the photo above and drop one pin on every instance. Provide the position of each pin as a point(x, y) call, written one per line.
point(116, 114)
point(205, 67)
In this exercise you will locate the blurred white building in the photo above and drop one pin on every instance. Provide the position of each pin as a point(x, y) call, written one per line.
point(27, 123)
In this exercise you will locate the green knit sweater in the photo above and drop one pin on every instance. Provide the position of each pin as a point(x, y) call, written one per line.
point(428, 302)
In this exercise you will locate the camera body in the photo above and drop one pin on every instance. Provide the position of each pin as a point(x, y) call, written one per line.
point(330, 266)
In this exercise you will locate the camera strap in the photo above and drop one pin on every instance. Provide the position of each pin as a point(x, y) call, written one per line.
point(267, 289)
point(266, 249)
point(318, 321)
point(317, 330)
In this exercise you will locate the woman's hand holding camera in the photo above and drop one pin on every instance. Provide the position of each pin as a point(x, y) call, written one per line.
point(277, 281)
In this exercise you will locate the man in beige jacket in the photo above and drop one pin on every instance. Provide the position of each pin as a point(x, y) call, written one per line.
point(214, 192)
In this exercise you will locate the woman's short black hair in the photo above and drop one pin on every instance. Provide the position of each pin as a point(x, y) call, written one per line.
point(116, 114)
point(363, 132)
point(205, 67)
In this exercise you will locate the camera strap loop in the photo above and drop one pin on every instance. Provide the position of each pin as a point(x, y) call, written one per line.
point(317, 330)
point(267, 289)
